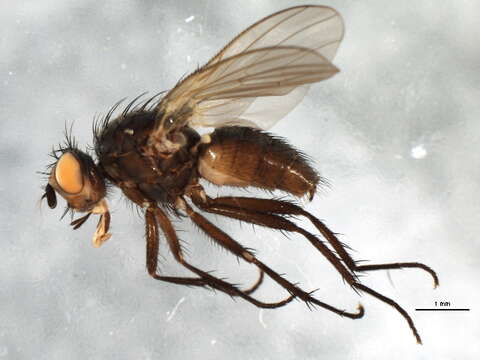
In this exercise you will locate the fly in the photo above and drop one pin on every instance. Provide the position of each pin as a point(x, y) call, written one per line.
point(152, 152)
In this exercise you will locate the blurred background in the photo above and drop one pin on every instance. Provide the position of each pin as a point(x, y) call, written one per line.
point(396, 133)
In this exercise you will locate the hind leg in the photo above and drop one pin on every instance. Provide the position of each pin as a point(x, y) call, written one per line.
point(271, 206)
point(271, 216)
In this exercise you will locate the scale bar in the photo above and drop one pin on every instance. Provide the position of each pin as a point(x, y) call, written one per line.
point(436, 309)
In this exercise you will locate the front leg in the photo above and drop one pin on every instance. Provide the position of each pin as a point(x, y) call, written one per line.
point(155, 213)
point(151, 232)
point(152, 236)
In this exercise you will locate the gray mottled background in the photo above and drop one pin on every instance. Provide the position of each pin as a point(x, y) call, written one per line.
point(396, 133)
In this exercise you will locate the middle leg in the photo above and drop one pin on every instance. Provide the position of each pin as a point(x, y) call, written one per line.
point(236, 248)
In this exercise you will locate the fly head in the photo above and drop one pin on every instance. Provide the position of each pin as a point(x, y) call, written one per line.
point(75, 177)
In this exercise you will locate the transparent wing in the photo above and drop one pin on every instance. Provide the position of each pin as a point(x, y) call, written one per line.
point(260, 75)
point(318, 28)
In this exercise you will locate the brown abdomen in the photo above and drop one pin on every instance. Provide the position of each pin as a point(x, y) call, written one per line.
point(243, 156)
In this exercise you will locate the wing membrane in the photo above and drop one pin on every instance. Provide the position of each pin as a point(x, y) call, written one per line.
point(319, 28)
point(261, 74)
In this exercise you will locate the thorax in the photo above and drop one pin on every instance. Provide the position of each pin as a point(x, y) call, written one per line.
point(140, 171)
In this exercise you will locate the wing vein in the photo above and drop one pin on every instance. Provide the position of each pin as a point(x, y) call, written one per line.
point(259, 76)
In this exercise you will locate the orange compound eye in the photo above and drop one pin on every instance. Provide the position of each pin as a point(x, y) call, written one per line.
point(68, 174)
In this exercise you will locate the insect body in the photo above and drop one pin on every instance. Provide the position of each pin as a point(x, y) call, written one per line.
point(153, 153)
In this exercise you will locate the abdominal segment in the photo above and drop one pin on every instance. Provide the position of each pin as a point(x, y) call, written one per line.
point(243, 156)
